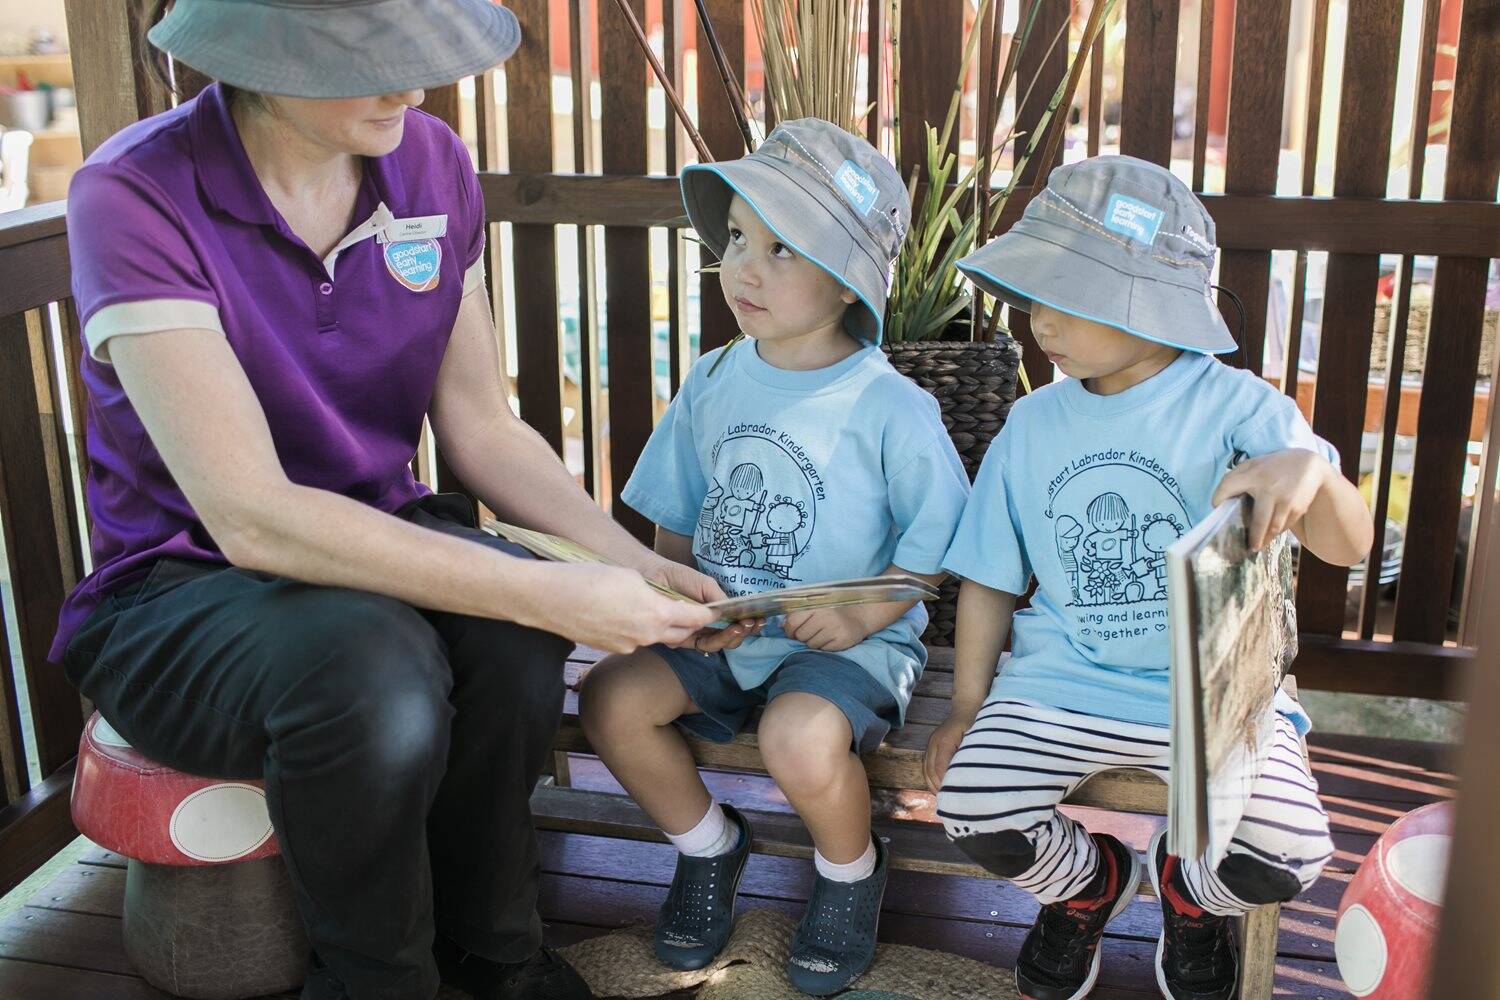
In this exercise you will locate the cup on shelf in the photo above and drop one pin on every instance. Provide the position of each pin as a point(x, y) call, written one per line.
point(24, 109)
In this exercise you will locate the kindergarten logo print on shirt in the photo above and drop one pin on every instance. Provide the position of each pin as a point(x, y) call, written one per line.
point(1114, 514)
point(417, 264)
point(758, 518)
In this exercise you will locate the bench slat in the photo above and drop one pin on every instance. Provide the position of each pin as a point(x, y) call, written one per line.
point(914, 846)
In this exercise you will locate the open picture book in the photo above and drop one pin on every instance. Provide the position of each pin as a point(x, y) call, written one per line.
point(1233, 628)
point(831, 594)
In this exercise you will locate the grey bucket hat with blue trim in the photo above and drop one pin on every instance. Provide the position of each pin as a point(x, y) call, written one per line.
point(828, 195)
point(1116, 240)
point(337, 48)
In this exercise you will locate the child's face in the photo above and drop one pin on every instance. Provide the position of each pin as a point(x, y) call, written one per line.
point(1083, 349)
point(775, 294)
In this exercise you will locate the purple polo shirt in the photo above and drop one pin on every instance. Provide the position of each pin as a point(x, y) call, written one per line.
point(169, 228)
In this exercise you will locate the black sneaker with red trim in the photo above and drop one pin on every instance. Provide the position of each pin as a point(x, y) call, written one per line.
point(1196, 958)
point(1059, 959)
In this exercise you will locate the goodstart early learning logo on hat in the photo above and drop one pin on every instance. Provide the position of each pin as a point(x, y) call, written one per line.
point(1115, 240)
point(828, 195)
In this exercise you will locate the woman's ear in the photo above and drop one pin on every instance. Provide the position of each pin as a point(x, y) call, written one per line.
point(848, 297)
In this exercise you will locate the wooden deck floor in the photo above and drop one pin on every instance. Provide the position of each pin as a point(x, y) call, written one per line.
point(66, 942)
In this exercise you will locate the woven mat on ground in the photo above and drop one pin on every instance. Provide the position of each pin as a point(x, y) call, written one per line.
point(621, 964)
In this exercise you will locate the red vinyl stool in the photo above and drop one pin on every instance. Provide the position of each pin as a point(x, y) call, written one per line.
point(209, 909)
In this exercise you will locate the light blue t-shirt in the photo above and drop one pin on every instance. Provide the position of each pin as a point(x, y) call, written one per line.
point(785, 478)
point(1087, 492)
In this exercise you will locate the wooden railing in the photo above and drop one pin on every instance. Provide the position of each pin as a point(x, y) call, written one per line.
point(40, 393)
point(1408, 649)
point(44, 540)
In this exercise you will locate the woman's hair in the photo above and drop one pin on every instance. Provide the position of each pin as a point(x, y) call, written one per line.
point(157, 65)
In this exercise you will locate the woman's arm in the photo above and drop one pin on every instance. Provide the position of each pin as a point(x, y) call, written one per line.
point(203, 416)
point(485, 443)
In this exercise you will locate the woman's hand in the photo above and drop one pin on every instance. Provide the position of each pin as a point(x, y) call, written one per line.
point(613, 609)
point(684, 579)
point(705, 590)
point(830, 629)
point(943, 744)
point(1283, 485)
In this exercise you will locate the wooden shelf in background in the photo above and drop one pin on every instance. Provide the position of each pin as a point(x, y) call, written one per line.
point(54, 69)
point(30, 61)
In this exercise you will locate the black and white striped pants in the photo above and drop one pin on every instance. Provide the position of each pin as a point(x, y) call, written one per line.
point(1020, 759)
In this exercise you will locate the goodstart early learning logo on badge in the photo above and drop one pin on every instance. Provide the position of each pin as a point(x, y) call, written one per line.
point(417, 264)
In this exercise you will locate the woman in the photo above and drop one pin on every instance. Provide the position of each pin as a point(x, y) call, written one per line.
point(278, 281)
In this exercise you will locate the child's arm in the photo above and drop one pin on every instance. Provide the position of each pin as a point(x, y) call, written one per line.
point(984, 617)
point(835, 629)
point(1301, 491)
point(679, 549)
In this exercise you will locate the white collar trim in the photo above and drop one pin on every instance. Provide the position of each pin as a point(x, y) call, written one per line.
point(376, 223)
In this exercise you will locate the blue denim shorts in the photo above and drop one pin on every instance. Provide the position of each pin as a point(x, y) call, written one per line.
point(724, 707)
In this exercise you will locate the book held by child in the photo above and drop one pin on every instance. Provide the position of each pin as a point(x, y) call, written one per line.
point(1233, 625)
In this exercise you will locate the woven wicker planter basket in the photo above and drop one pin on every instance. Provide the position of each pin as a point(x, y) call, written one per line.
point(1415, 361)
point(975, 385)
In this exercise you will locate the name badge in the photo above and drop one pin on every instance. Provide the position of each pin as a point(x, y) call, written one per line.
point(419, 227)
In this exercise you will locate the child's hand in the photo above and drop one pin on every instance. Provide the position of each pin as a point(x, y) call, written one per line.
point(714, 640)
point(942, 745)
point(1283, 485)
point(829, 629)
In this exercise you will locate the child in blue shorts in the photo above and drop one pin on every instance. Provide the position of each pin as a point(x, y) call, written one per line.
point(795, 456)
point(1089, 482)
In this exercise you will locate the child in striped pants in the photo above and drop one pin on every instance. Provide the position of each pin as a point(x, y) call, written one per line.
point(1089, 481)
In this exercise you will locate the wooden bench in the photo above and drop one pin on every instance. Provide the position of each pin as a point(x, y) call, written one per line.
point(896, 765)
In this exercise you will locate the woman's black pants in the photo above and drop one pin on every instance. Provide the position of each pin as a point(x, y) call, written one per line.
point(399, 748)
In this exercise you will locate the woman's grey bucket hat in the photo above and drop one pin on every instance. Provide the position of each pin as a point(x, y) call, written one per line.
point(337, 48)
point(1116, 240)
point(828, 195)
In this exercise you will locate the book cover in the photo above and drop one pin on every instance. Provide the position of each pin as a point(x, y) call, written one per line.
point(1232, 620)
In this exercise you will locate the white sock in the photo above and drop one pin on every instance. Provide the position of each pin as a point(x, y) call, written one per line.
point(860, 868)
point(714, 835)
